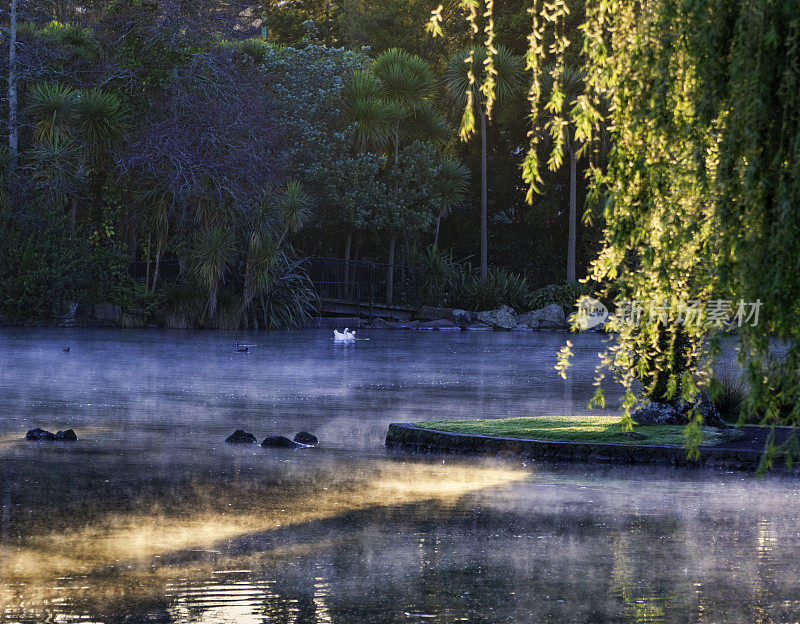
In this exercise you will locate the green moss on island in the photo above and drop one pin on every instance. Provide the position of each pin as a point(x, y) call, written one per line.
point(579, 429)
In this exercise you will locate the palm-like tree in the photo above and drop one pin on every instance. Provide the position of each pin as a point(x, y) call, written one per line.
point(508, 80)
point(451, 185)
point(391, 104)
point(56, 164)
point(158, 227)
point(366, 106)
point(52, 109)
point(93, 119)
point(262, 251)
point(572, 83)
point(294, 209)
point(211, 258)
point(101, 120)
point(407, 83)
point(260, 257)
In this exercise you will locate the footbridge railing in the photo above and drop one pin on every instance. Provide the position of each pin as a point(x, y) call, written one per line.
point(365, 284)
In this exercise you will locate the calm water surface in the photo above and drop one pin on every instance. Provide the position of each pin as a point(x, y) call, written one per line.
point(150, 517)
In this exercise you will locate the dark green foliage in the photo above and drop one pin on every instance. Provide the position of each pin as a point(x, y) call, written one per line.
point(663, 383)
point(500, 287)
point(729, 393)
point(290, 300)
point(450, 283)
point(43, 267)
point(152, 127)
point(110, 279)
point(443, 278)
point(565, 295)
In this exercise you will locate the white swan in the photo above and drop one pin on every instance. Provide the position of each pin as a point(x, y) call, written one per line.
point(346, 336)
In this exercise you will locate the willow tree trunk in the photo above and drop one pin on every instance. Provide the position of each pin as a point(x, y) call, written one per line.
point(390, 270)
point(573, 209)
point(484, 225)
point(13, 123)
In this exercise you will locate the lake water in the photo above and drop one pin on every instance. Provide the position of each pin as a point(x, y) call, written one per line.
point(150, 517)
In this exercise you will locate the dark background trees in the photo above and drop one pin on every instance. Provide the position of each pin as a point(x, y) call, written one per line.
point(150, 126)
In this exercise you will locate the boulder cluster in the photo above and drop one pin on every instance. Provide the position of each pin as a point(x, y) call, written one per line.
point(42, 435)
point(304, 439)
point(678, 412)
point(504, 319)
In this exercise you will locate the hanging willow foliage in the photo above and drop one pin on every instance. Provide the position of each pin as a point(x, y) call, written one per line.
point(700, 102)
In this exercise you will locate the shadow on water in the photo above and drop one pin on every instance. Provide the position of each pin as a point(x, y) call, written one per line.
point(149, 518)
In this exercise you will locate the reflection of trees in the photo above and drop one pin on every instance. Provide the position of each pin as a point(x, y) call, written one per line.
point(556, 553)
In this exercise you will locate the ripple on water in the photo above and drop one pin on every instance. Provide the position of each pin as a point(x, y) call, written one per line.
point(150, 517)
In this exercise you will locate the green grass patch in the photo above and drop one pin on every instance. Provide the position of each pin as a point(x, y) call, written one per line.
point(579, 429)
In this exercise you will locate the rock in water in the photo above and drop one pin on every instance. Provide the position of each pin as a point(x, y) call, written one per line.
point(553, 317)
point(304, 437)
point(279, 442)
point(678, 412)
point(531, 319)
point(657, 413)
point(462, 318)
point(66, 436)
point(39, 434)
point(478, 327)
point(441, 324)
point(503, 318)
point(707, 409)
point(241, 437)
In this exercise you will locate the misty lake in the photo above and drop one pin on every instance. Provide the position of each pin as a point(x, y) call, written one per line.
point(151, 517)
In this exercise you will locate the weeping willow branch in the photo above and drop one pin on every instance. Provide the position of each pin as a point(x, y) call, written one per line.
point(489, 86)
point(700, 105)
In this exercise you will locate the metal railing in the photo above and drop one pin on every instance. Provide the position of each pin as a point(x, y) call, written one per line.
point(365, 283)
point(357, 282)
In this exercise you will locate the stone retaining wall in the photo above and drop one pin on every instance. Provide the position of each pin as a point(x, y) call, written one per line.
point(409, 437)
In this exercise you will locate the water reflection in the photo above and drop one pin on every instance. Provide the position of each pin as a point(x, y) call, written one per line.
point(150, 519)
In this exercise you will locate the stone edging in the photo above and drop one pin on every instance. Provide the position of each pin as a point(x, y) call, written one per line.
point(409, 437)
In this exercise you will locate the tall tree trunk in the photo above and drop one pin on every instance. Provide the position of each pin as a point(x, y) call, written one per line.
point(158, 262)
point(484, 225)
point(132, 244)
point(147, 264)
point(73, 213)
point(436, 236)
point(348, 243)
point(397, 143)
point(406, 255)
point(573, 208)
point(13, 123)
point(390, 271)
point(354, 271)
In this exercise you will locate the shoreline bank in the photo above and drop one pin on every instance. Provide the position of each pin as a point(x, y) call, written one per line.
point(411, 438)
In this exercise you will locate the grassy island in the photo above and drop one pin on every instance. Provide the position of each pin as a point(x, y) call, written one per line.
point(579, 429)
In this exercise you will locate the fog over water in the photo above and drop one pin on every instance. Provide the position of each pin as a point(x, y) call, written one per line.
point(151, 517)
